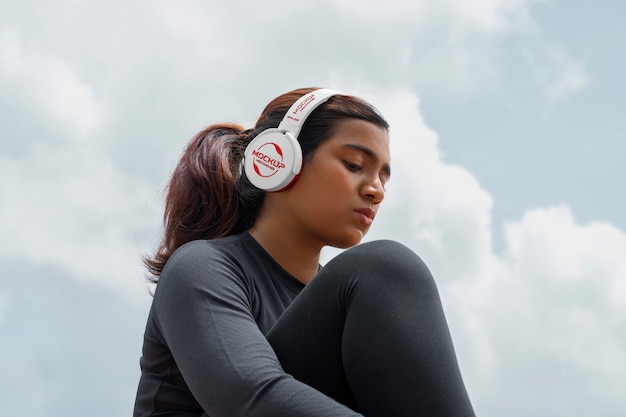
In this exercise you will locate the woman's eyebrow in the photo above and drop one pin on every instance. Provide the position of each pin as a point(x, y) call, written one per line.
point(370, 154)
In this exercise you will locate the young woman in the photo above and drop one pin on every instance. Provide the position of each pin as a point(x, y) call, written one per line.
point(245, 322)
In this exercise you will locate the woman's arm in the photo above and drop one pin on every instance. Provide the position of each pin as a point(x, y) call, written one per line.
point(202, 309)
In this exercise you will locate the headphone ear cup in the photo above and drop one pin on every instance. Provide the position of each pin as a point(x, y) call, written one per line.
point(273, 160)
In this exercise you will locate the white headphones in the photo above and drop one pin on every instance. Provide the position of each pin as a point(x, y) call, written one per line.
point(273, 159)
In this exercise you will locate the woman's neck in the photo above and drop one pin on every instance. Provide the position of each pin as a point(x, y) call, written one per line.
point(293, 253)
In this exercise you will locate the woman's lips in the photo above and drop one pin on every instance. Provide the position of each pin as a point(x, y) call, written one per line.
point(366, 215)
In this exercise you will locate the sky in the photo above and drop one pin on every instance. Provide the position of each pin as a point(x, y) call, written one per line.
point(508, 176)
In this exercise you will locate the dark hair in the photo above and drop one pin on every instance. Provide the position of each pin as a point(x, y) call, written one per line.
point(207, 197)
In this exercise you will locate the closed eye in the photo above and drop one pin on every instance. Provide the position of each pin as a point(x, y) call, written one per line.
point(352, 166)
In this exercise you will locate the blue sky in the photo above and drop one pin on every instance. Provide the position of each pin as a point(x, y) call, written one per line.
point(574, 146)
point(507, 146)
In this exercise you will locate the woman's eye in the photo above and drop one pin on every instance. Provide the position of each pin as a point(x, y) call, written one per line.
point(352, 166)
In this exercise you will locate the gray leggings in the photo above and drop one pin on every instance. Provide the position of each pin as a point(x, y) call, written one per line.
point(370, 332)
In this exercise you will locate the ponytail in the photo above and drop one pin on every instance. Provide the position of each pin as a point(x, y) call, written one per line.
point(206, 198)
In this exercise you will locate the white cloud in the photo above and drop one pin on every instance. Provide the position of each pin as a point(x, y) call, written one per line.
point(551, 306)
point(72, 208)
point(542, 323)
point(559, 319)
point(52, 81)
point(445, 46)
point(69, 348)
point(494, 15)
point(201, 26)
point(556, 72)
point(550, 247)
point(448, 211)
point(392, 9)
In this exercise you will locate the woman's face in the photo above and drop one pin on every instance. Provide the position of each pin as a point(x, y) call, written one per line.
point(340, 189)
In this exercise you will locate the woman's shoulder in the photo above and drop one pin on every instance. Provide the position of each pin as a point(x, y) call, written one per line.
point(208, 264)
point(198, 253)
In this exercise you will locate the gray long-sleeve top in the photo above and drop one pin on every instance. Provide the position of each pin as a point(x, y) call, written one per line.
point(204, 349)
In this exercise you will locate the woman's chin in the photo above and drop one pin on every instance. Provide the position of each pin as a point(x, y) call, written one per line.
point(349, 241)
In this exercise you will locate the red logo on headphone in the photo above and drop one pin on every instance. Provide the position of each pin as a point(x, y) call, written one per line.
point(307, 100)
point(268, 159)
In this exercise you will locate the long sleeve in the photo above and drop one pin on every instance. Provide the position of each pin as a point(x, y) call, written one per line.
point(202, 313)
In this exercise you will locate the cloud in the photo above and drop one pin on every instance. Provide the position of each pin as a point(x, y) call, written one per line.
point(556, 72)
point(51, 81)
point(436, 46)
point(550, 247)
point(72, 208)
point(393, 9)
point(95, 118)
point(545, 315)
point(494, 15)
point(560, 315)
point(68, 347)
point(448, 212)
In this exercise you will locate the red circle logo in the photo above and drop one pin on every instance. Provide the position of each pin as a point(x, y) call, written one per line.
point(268, 159)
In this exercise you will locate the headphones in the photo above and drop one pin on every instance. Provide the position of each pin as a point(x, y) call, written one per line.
point(273, 159)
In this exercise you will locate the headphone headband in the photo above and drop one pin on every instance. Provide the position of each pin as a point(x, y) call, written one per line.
point(301, 109)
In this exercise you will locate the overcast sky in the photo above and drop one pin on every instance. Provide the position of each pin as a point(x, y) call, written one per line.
point(507, 127)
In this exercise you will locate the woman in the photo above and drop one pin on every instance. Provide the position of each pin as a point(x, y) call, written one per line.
point(245, 322)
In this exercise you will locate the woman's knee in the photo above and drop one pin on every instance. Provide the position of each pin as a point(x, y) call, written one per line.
point(383, 263)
